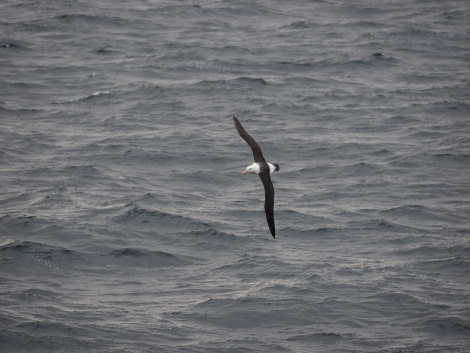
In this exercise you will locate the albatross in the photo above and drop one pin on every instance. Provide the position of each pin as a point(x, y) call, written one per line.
point(263, 169)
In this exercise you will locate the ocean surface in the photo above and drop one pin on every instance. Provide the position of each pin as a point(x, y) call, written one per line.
point(125, 225)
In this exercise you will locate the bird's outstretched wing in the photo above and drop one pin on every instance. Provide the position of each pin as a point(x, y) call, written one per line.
point(268, 200)
point(257, 154)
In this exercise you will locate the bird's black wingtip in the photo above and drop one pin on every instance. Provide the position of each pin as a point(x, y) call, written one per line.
point(273, 232)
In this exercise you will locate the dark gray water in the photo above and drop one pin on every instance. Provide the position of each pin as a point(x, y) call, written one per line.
point(125, 225)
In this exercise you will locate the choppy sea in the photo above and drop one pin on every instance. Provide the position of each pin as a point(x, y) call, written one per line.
point(125, 225)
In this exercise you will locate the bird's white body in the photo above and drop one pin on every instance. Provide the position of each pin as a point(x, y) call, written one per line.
point(255, 168)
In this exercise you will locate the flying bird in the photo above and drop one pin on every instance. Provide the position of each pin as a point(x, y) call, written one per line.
point(263, 169)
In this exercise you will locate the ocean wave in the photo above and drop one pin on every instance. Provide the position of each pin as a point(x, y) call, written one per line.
point(30, 258)
point(317, 337)
point(88, 20)
point(24, 338)
point(27, 224)
point(144, 215)
point(93, 96)
point(50, 328)
point(12, 45)
point(64, 260)
point(147, 258)
point(444, 326)
point(37, 295)
point(22, 247)
point(372, 60)
point(414, 211)
point(228, 84)
point(383, 225)
point(164, 225)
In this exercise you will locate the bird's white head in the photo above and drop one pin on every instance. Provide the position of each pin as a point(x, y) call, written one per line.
point(253, 168)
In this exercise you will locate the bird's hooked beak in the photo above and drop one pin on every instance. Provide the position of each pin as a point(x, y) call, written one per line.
point(245, 171)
